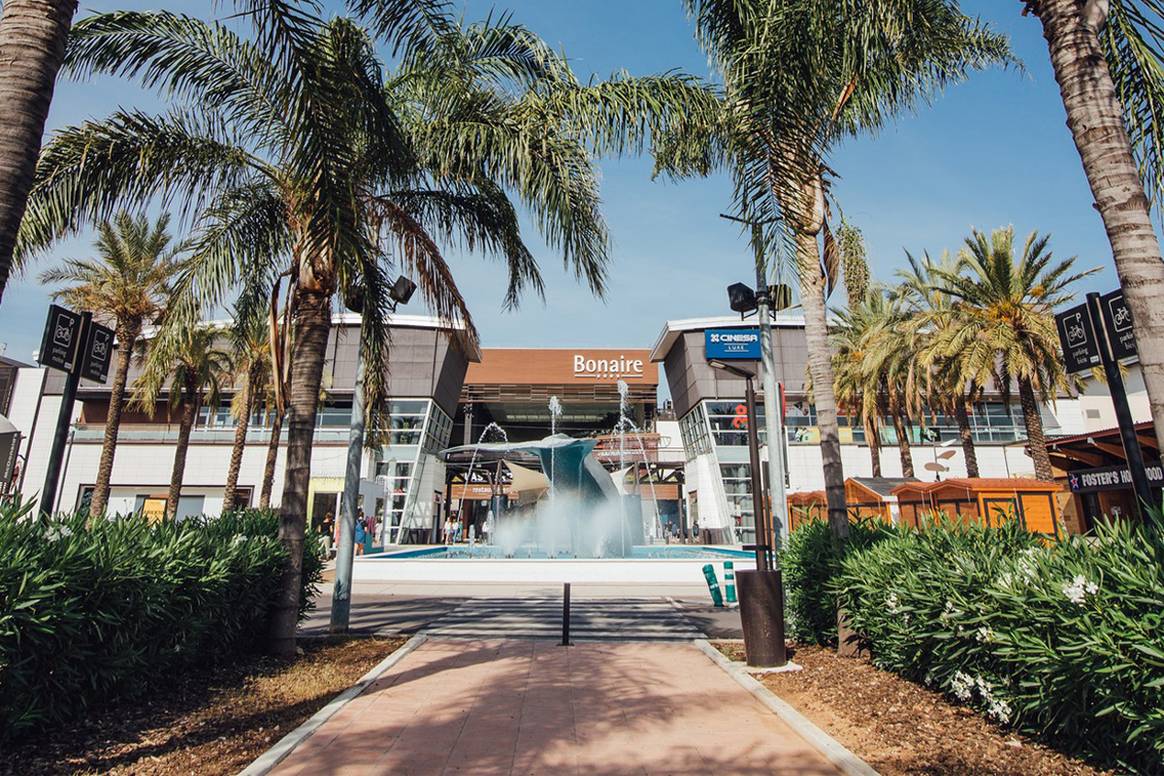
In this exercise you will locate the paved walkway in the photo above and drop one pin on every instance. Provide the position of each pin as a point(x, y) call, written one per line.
point(531, 707)
point(624, 619)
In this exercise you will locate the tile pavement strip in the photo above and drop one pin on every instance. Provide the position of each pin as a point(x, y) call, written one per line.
point(848, 763)
point(527, 706)
point(270, 758)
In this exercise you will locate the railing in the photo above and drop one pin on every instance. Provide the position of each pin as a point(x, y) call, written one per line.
point(200, 436)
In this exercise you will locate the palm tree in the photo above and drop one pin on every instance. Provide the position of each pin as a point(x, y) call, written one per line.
point(192, 369)
point(800, 76)
point(251, 357)
point(948, 386)
point(857, 391)
point(32, 45)
point(126, 286)
point(1105, 54)
point(874, 360)
point(1005, 328)
point(301, 148)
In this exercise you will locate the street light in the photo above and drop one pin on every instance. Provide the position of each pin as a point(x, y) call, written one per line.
point(761, 591)
point(341, 597)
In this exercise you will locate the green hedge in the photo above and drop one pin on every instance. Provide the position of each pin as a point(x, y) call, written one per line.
point(108, 609)
point(809, 562)
point(1062, 640)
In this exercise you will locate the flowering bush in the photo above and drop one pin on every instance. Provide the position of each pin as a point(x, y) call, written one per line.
point(1063, 640)
point(91, 611)
point(808, 562)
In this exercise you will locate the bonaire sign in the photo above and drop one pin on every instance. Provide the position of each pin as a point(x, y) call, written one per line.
point(607, 368)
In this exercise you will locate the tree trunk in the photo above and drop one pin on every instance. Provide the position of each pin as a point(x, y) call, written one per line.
point(185, 425)
point(1036, 441)
point(1095, 119)
point(820, 366)
point(873, 437)
point(901, 427)
point(312, 322)
point(32, 47)
point(229, 495)
point(125, 341)
point(967, 435)
point(272, 458)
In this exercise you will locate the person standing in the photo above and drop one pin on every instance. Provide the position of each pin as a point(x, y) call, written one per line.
point(327, 529)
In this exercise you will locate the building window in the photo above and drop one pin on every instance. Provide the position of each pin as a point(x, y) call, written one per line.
point(693, 429)
point(737, 487)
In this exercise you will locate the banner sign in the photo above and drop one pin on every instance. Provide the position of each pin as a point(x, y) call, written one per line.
point(62, 339)
point(9, 444)
point(97, 353)
point(1111, 478)
point(1077, 338)
point(743, 344)
point(1118, 320)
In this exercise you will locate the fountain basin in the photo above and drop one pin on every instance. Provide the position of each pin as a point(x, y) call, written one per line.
point(647, 564)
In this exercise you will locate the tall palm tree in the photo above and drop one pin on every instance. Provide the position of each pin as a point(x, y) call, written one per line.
point(800, 76)
point(1106, 58)
point(251, 358)
point(126, 286)
point(860, 393)
point(32, 46)
point(301, 147)
point(949, 386)
point(1005, 328)
point(192, 368)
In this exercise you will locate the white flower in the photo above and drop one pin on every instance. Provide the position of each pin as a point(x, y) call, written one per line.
point(984, 635)
point(57, 532)
point(962, 685)
point(891, 602)
point(1079, 588)
point(999, 710)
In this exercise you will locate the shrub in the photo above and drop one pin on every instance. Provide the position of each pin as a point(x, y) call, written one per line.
point(1062, 640)
point(809, 562)
point(91, 611)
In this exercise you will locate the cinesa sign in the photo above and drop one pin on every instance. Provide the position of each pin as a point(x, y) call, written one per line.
point(608, 368)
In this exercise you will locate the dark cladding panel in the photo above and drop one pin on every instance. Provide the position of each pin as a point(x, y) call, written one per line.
point(451, 368)
point(691, 380)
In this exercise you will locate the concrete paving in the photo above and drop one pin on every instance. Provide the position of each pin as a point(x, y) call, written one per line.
point(395, 609)
point(532, 707)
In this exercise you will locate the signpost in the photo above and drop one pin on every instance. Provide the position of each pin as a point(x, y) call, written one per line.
point(75, 345)
point(1100, 333)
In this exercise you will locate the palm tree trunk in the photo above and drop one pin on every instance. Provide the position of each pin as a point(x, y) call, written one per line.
point(272, 457)
point(125, 341)
point(236, 453)
point(1036, 441)
point(967, 435)
point(312, 323)
point(901, 427)
point(32, 47)
point(1096, 122)
point(185, 425)
point(873, 437)
point(820, 366)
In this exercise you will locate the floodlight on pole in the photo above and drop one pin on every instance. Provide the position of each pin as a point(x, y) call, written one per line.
point(341, 600)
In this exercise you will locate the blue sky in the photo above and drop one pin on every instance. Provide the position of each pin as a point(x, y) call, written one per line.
point(990, 152)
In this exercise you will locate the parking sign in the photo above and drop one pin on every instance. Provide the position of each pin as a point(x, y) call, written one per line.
point(1077, 338)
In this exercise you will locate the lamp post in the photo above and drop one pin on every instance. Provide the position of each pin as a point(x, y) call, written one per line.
point(341, 594)
point(761, 592)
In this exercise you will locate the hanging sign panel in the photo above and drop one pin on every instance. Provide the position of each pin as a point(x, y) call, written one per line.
point(741, 344)
point(1077, 338)
point(1118, 320)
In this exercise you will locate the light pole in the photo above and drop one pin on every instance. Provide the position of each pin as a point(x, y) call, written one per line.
point(761, 591)
point(773, 407)
point(341, 594)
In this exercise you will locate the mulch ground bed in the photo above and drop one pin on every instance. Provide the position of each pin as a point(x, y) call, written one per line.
point(900, 727)
point(207, 722)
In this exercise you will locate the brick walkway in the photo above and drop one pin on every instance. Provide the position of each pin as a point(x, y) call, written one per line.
point(531, 707)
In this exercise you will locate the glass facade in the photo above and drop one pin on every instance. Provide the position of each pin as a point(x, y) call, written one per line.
point(418, 430)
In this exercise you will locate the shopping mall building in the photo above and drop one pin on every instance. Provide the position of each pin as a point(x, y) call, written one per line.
point(687, 453)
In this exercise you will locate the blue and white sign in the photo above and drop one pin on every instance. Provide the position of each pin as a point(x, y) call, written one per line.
point(743, 344)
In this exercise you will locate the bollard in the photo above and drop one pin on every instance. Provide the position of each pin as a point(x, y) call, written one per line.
point(565, 614)
point(713, 585)
point(729, 582)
